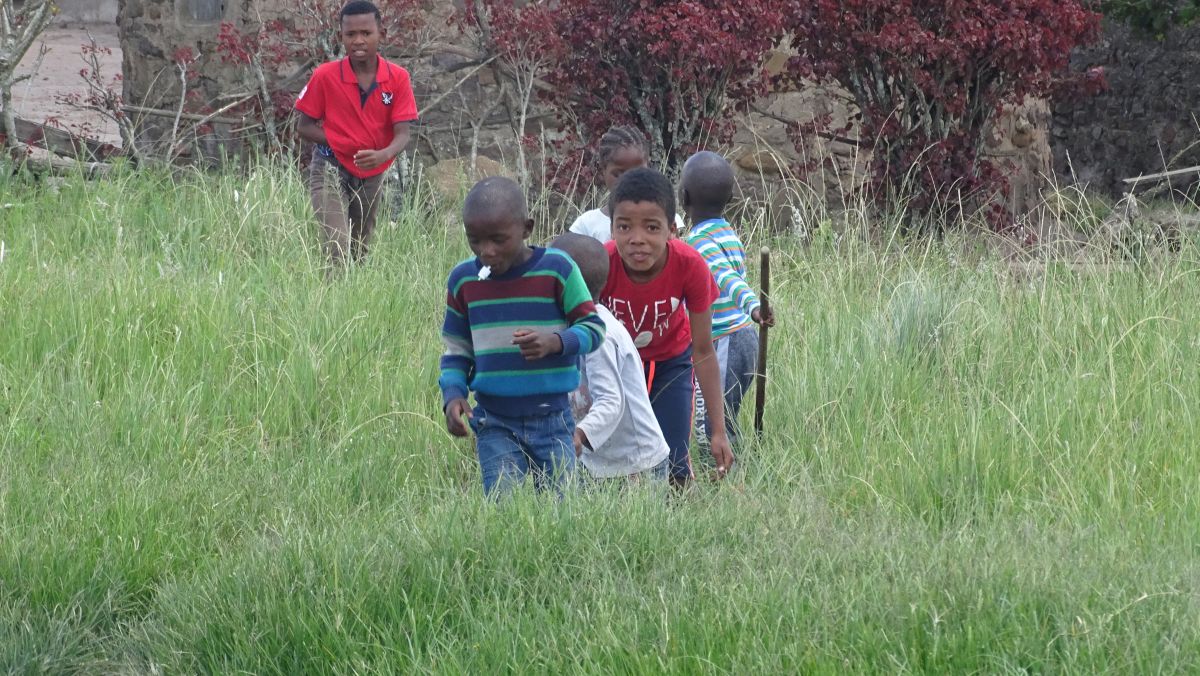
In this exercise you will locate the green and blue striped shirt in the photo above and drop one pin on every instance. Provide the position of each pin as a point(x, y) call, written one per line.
point(722, 250)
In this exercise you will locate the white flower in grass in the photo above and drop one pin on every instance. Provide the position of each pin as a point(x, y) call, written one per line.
point(485, 272)
point(236, 197)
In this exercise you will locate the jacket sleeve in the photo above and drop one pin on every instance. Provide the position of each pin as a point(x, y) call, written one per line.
point(608, 399)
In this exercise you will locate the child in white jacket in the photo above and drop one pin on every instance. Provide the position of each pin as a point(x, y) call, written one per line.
point(616, 433)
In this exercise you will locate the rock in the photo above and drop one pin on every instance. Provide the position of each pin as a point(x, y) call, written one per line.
point(762, 161)
point(450, 181)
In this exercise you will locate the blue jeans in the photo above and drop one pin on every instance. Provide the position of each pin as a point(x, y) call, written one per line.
point(512, 448)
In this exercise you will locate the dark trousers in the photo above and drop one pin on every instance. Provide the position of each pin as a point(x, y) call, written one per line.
point(670, 384)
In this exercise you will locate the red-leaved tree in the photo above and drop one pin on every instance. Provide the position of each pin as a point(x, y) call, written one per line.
point(677, 69)
point(928, 75)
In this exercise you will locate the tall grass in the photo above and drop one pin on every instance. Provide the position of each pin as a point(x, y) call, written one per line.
point(213, 461)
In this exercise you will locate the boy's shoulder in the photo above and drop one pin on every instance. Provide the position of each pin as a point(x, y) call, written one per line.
point(616, 336)
point(557, 260)
point(329, 69)
point(464, 271)
point(393, 69)
point(686, 252)
point(714, 229)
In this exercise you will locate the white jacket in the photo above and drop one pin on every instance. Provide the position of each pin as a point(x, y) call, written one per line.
point(620, 425)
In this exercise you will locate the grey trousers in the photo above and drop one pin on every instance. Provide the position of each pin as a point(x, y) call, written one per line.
point(345, 206)
point(737, 359)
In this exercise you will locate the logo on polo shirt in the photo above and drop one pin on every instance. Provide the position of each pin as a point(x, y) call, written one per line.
point(387, 98)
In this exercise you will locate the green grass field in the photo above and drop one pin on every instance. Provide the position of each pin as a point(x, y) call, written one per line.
point(213, 461)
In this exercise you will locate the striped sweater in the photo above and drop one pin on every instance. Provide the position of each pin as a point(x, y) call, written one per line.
point(722, 250)
point(546, 293)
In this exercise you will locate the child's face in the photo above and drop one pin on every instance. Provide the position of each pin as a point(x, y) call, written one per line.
point(641, 231)
point(499, 242)
point(361, 36)
point(622, 161)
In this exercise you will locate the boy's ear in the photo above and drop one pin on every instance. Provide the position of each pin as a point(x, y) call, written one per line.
point(528, 227)
point(685, 199)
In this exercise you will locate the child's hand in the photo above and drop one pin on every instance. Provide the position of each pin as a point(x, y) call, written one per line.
point(370, 159)
point(722, 453)
point(535, 344)
point(767, 320)
point(455, 411)
point(581, 441)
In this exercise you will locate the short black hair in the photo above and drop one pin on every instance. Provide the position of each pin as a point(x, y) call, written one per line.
point(496, 197)
point(708, 181)
point(618, 138)
point(356, 7)
point(589, 255)
point(644, 185)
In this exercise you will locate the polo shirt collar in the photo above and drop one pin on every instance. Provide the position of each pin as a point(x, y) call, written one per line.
point(382, 72)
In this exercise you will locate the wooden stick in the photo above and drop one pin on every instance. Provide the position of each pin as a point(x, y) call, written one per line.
point(1165, 174)
point(760, 394)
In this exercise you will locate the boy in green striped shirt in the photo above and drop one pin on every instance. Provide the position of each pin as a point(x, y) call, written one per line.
point(706, 190)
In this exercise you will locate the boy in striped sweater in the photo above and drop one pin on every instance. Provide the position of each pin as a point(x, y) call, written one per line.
point(517, 320)
point(706, 190)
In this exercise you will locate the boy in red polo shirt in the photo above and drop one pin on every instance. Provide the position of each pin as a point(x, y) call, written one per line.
point(356, 111)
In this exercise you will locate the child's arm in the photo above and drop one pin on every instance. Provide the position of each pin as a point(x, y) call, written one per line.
point(708, 374)
point(586, 330)
point(731, 282)
point(608, 399)
point(456, 366)
point(370, 159)
point(309, 130)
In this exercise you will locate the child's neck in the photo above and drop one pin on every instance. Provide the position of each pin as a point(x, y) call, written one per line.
point(367, 68)
point(698, 216)
point(522, 258)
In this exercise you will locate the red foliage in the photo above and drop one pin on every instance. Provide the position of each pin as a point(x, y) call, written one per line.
point(928, 75)
point(677, 69)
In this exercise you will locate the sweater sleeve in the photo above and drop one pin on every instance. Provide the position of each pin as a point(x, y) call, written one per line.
point(458, 361)
point(729, 280)
point(586, 330)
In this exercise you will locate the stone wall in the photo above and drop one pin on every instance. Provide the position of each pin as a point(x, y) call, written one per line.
point(86, 11)
point(1148, 120)
point(467, 124)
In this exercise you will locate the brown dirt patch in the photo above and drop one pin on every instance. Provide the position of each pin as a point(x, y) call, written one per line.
point(38, 99)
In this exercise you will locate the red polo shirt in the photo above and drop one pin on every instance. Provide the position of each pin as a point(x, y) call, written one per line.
point(332, 96)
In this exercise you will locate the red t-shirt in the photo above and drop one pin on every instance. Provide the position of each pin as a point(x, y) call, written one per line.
point(655, 313)
point(332, 96)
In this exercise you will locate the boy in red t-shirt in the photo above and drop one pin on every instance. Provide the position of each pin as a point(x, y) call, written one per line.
point(356, 111)
point(662, 291)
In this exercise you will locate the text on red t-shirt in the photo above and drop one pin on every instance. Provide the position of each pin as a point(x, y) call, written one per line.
point(655, 312)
